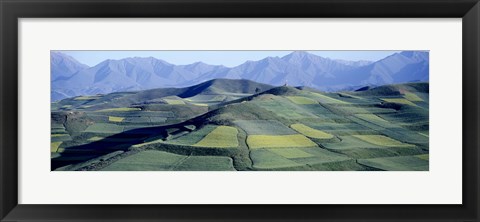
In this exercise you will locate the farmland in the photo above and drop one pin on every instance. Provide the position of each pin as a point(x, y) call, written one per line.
point(240, 125)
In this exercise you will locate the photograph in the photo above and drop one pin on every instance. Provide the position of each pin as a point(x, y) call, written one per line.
point(312, 110)
point(239, 110)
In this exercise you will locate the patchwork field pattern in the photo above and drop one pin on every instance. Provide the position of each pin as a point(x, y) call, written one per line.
point(246, 127)
point(278, 141)
point(221, 137)
point(152, 160)
point(310, 132)
point(264, 127)
point(401, 163)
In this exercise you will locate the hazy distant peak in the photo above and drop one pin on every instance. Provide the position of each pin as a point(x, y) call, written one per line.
point(296, 56)
point(415, 55)
point(299, 68)
point(63, 66)
point(354, 63)
point(59, 57)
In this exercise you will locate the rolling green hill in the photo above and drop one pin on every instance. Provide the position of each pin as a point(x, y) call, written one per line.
point(242, 125)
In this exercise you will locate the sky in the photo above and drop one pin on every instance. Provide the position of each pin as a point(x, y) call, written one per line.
point(226, 58)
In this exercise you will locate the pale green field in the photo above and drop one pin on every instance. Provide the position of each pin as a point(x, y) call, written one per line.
point(412, 97)
point(372, 118)
point(327, 99)
point(153, 160)
point(278, 141)
point(301, 100)
point(104, 128)
point(310, 132)
point(174, 101)
point(264, 159)
point(221, 137)
point(401, 163)
point(264, 127)
point(86, 98)
point(123, 109)
point(193, 137)
point(382, 140)
point(291, 153)
point(423, 156)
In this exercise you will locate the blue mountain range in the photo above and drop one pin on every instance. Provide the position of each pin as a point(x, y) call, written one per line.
point(71, 78)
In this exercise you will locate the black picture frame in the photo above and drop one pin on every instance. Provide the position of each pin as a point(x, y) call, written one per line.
point(12, 10)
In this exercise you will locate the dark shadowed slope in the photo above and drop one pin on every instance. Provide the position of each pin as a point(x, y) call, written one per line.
point(229, 88)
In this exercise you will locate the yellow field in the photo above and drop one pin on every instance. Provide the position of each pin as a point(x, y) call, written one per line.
point(220, 137)
point(310, 132)
point(86, 98)
point(399, 101)
point(115, 119)
point(423, 156)
point(412, 97)
point(58, 135)
point(371, 118)
point(54, 146)
point(327, 99)
point(381, 140)
point(301, 100)
point(122, 109)
point(174, 101)
point(279, 141)
point(291, 153)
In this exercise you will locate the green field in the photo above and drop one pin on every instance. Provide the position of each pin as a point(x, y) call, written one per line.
point(412, 97)
point(327, 99)
point(278, 141)
point(402, 163)
point(152, 160)
point(264, 127)
point(291, 153)
point(221, 137)
point(310, 132)
point(301, 100)
point(264, 159)
point(123, 109)
point(252, 127)
point(381, 140)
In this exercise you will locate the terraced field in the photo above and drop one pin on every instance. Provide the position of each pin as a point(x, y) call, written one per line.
point(278, 141)
point(152, 160)
point(228, 127)
point(220, 137)
point(310, 132)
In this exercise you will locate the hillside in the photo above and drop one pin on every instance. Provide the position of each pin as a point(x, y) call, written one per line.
point(243, 125)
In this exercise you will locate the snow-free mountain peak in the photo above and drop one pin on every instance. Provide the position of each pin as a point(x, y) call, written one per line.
point(298, 68)
point(63, 65)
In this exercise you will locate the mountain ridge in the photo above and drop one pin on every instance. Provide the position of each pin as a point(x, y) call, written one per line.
point(298, 68)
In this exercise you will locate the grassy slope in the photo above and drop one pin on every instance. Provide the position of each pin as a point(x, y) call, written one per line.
point(341, 127)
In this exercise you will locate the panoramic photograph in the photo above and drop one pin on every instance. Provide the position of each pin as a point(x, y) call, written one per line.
point(239, 110)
